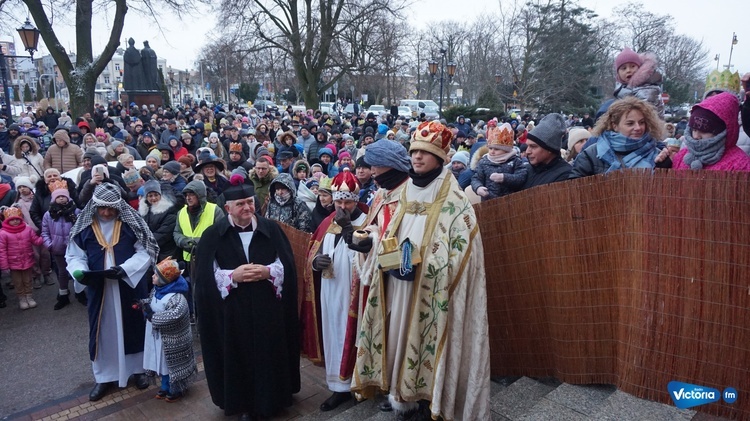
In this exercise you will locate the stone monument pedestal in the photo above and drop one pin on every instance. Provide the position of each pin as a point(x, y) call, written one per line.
point(143, 97)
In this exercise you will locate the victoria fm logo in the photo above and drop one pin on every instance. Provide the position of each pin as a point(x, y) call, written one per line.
point(686, 395)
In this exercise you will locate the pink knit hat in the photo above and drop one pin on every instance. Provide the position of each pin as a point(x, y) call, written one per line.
point(627, 56)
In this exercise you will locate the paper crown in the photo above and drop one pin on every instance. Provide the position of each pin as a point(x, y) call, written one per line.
point(235, 147)
point(325, 183)
point(168, 269)
point(432, 137)
point(500, 136)
point(492, 123)
point(56, 185)
point(100, 133)
point(345, 181)
point(724, 81)
point(12, 212)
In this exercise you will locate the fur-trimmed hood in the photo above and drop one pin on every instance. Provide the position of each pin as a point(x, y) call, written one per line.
point(32, 143)
point(165, 204)
point(479, 154)
point(647, 74)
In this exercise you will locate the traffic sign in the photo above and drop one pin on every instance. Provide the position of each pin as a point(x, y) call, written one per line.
point(665, 97)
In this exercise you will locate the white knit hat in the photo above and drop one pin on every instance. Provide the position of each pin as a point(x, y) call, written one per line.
point(24, 181)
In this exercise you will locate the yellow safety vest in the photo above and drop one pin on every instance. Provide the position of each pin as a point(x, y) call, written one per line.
point(205, 221)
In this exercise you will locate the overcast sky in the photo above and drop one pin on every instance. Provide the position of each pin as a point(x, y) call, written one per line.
point(713, 22)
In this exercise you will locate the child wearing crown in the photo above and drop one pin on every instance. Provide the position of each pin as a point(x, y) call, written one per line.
point(168, 346)
point(501, 171)
point(17, 254)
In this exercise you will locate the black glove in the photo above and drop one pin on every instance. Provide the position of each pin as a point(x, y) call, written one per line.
point(321, 262)
point(343, 218)
point(148, 312)
point(364, 245)
point(115, 272)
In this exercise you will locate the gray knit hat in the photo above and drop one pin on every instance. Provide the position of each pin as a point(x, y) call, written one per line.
point(172, 166)
point(151, 186)
point(550, 132)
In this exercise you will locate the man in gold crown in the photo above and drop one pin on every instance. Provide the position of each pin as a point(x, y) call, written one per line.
point(424, 331)
point(331, 296)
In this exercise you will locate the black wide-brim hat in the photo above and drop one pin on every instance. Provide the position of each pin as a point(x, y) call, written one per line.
point(215, 162)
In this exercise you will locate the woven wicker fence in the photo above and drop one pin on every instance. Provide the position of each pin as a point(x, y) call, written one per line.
point(632, 279)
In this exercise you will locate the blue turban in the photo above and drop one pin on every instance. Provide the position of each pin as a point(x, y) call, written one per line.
point(387, 153)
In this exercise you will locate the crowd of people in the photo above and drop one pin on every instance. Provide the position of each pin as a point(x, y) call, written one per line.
point(170, 214)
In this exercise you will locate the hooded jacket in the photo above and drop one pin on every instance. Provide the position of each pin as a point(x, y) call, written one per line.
point(161, 218)
point(199, 189)
point(30, 163)
point(63, 158)
point(726, 107)
point(262, 185)
point(294, 211)
point(15, 246)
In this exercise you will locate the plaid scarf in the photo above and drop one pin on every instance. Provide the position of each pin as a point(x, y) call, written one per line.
point(640, 153)
point(107, 195)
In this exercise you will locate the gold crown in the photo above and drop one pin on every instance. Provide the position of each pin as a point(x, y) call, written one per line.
point(12, 212)
point(325, 183)
point(235, 147)
point(168, 269)
point(432, 137)
point(500, 136)
point(724, 80)
point(56, 185)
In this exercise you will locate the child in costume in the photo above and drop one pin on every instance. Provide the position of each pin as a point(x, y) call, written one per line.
point(56, 225)
point(168, 347)
point(638, 75)
point(501, 171)
point(17, 253)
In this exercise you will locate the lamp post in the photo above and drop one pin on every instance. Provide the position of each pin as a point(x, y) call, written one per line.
point(731, 50)
point(187, 85)
point(432, 65)
point(30, 38)
point(170, 73)
point(716, 59)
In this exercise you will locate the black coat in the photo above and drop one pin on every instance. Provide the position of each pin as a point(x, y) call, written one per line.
point(42, 197)
point(557, 170)
point(250, 339)
point(161, 220)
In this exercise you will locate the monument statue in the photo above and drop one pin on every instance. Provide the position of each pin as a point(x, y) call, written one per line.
point(132, 77)
point(148, 60)
point(140, 78)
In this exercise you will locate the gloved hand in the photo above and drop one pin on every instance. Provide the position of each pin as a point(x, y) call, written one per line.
point(321, 262)
point(80, 276)
point(344, 219)
point(482, 191)
point(190, 244)
point(148, 312)
point(364, 245)
point(497, 177)
point(115, 272)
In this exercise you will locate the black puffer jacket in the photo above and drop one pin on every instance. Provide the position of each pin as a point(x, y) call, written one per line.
point(161, 219)
point(42, 197)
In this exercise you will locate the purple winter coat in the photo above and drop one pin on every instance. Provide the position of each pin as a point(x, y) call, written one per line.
point(56, 233)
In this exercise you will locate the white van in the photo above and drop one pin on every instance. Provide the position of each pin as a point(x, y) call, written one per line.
point(417, 106)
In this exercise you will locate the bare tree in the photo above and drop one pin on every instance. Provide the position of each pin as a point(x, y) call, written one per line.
point(312, 32)
point(81, 76)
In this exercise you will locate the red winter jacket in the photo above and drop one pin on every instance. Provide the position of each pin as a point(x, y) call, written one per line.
point(16, 252)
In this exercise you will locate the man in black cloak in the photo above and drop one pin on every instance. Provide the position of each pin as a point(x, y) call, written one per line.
point(246, 298)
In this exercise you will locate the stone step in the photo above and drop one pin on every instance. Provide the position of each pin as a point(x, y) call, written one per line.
point(513, 401)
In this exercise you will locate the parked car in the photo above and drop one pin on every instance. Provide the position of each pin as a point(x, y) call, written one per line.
point(376, 109)
point(300, 108)
point(431, 112)
point(417, 106)
point(328, 107)
point(349, 110)
point(262, 105)
point(404, 112)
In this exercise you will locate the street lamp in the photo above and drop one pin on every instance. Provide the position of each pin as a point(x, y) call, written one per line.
point(731, 50)
point(187, 85)
point(30, 38)
point(432, 66)
point(170, 73)
point(717, 61)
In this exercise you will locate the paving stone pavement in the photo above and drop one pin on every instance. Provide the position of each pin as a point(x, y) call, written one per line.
point(512, 398)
